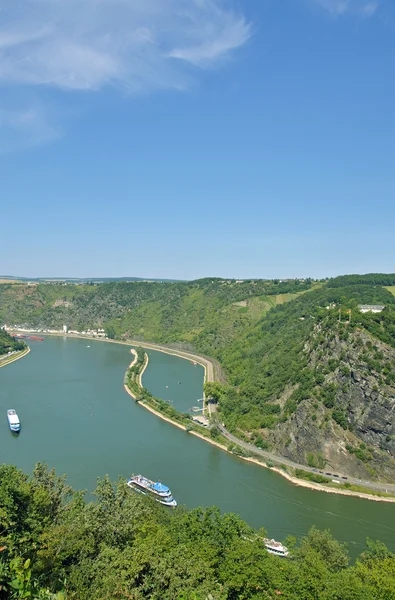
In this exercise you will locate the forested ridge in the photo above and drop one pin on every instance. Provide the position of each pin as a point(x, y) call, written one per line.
point(56, 546)
point(271, 354)
point(370, 279)
point(309, 376)
point(82, 306)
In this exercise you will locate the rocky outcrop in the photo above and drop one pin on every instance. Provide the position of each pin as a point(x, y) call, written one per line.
point(352, 432)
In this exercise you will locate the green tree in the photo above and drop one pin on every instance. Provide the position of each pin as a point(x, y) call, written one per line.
point(110, 332)
point(214, 391)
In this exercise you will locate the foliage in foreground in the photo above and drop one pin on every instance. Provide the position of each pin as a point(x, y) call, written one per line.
point(123, 546)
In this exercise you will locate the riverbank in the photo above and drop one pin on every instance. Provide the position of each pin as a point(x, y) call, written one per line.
point(145, 365)
point(295, 480)
point(133, 380)
point(7, 361)
point(210, 367)
point(133, 351)
point(319, 487)
point(209, 373)
point(299, 482)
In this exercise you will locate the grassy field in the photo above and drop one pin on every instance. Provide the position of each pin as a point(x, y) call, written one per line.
point(361, 490)
point(9, 281)
point(391, 288)
point(257, 307)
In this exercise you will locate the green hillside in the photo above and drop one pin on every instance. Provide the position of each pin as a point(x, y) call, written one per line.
point(309, 376)
point(271, 355)
point(195, 312)
point(55, 546)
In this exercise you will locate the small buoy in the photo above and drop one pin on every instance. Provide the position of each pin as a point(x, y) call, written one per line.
point(167, 386)
point(179, 382)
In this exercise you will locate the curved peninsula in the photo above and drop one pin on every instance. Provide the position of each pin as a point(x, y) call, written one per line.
point(298, 474)
point(11, 349)
point(7, 360)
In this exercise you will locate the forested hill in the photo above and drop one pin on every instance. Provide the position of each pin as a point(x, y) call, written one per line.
point(387, 279)
point(314, 380)
point(182, 311)
point(123, 546)
point(8, 343)
point(309, 376)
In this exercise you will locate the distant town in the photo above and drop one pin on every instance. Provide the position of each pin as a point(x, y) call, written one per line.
point(97, 333)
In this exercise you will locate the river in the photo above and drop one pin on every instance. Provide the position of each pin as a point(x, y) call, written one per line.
point(77, 417)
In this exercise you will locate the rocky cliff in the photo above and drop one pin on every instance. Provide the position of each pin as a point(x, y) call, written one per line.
point(347, 424)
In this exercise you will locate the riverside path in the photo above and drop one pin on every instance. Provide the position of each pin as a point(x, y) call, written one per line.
point(280, 460)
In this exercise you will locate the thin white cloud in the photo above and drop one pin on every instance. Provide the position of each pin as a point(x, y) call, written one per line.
point(25, 128)
point(363, 8)
point(369, 9)
point(233, 36)
point(88, 44)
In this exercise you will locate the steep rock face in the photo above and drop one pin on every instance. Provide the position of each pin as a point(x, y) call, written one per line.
point(323, 443)
point(366, 394)
point(372, 415)
point(348, 424)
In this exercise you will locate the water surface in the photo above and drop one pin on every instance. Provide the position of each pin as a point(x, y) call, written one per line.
point(77, 417)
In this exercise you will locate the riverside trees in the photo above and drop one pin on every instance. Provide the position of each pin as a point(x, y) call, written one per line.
point(9, 344)
point(122, 546)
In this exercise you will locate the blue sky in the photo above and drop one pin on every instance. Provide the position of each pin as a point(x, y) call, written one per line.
point(192, 138)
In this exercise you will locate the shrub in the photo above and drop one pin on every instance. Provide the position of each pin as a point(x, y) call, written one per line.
point(261, 443)
point(215, 432)
point(315, 477)
point(340, 418)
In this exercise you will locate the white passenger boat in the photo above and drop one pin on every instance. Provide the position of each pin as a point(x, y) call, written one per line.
point(159, 492)
point(276, 548)
point(13, 421)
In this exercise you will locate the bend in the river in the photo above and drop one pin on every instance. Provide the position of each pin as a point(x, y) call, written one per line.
point(77, 417)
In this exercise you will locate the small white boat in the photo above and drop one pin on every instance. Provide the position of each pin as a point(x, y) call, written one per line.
point(13, 421)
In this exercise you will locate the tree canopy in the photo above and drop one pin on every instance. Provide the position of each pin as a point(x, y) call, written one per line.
point(124, 546)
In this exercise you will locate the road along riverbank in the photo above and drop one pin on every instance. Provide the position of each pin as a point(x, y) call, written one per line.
point(255, 455)
point(81, 388)
point(10, 359)
point(147, 404)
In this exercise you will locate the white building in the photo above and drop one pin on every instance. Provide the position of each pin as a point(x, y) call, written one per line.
point(65, 328)
point(374, 308)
